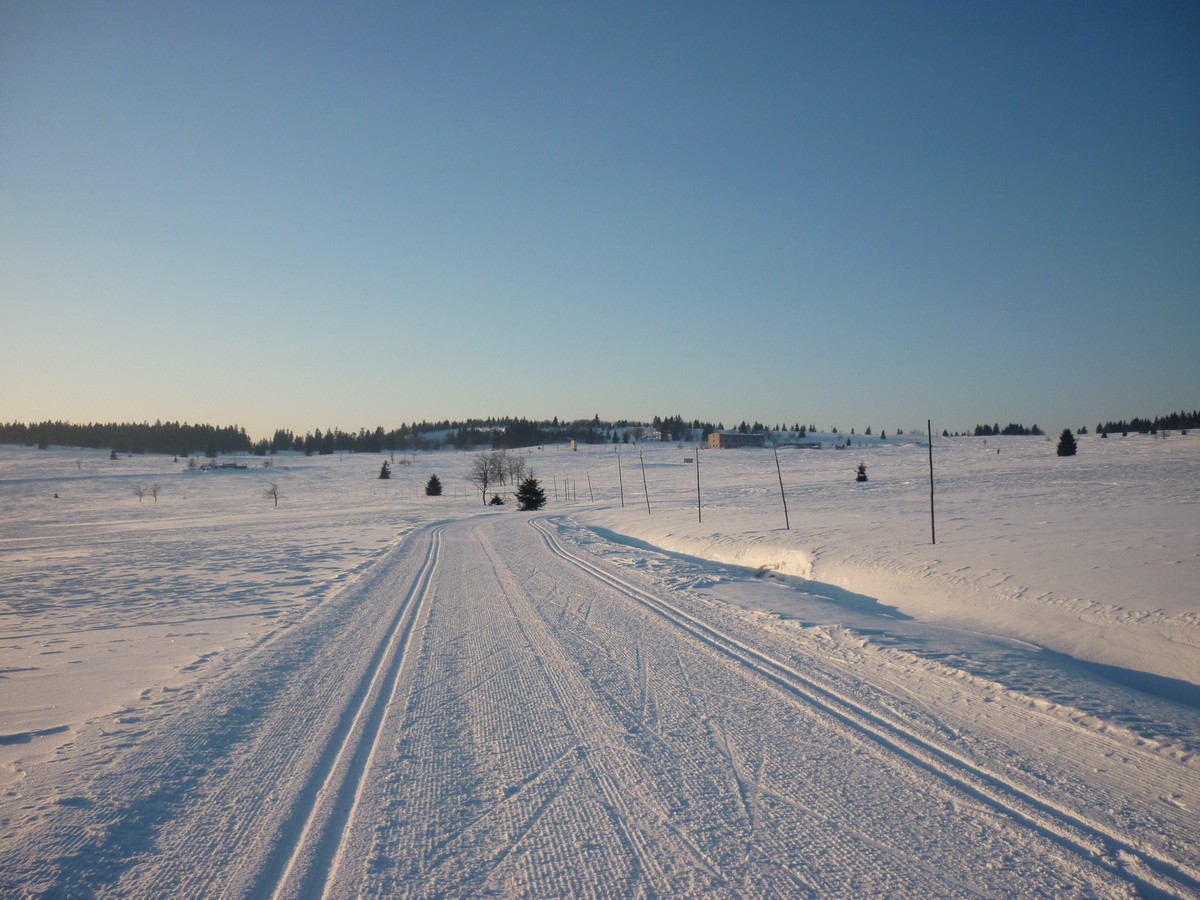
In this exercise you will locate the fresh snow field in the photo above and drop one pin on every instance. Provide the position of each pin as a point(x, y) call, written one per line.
point(368, 692)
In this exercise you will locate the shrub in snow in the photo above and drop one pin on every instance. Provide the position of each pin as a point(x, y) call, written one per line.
point(530, 495)
point(496, 500)
point(1066, 443)
point(861, 474)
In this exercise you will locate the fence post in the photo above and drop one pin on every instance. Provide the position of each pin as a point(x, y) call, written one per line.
point(644, 486)
point(932, 522)
point(787, 523)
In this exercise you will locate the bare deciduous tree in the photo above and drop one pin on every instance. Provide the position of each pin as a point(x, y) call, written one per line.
point(154, 491)
point(497, 462)
point(139, 491)
point(515, 466)
point(273, 492)
point(481, 473)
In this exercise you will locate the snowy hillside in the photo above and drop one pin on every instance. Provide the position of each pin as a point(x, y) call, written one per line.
point(1096, 556)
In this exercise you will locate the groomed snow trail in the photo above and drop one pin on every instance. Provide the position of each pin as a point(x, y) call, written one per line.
point(492, 711)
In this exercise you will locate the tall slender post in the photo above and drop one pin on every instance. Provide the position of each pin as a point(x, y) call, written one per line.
point(699, 512)
point(778, 471)
point(644, 486)
point(591, 496)
point(620, 480)
point(932, 521)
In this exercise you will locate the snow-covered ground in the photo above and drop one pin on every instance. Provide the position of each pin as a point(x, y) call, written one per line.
point(364, 690)
point(1096, 556)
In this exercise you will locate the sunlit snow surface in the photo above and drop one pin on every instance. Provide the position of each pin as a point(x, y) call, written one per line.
point(1050, 638)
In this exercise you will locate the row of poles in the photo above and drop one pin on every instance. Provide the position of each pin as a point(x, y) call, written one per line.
point(782, 492)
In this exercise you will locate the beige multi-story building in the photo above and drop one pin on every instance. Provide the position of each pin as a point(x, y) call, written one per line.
point(724, 440)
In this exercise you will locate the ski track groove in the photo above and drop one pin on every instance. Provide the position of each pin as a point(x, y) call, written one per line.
point(1124, 857)
point(195, 801)
point(332, 809)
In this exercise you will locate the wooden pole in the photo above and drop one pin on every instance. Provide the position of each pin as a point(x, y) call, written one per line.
point(932, 521)
point(590, 494)
point(699, 512)
point(644, 486)
point(620, 479)
point(778, 471)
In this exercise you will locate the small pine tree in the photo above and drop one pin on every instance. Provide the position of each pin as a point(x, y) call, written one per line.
point(386, 470)
point(530, 495)
point(861, 473)
point(433, 487)
point(1066, 443)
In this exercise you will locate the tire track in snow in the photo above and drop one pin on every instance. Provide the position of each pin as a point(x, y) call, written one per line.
point(1123, 856)
point(329, 804)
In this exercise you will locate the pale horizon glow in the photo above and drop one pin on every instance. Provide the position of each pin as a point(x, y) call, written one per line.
point(833, 214)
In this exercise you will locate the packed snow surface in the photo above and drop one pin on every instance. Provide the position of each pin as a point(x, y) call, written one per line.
point(664, 683)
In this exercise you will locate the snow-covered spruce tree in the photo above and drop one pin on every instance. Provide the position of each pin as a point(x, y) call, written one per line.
point(530, 495)
point(861, 473)
point(433, 487)
point(1066, 443)
point(386, 470)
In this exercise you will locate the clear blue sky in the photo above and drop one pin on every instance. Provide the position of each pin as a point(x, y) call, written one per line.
point(309, 215)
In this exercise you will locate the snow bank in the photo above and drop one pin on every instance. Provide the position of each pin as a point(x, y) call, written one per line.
point(1095, 556)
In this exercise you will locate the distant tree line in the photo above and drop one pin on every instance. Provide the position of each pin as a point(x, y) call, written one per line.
point(491, 433)
point(1180, 421)
point(1010, 428)
point(187, 439)
point(504, 433)
point(131, 437)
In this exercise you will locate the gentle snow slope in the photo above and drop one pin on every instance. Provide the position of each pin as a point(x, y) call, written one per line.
point(367, 691)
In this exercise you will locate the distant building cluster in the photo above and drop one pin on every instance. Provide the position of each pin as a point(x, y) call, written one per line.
point(725, 440)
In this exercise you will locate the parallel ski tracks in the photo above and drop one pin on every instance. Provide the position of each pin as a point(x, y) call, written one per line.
point(307, 864)
point(1143, 865)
